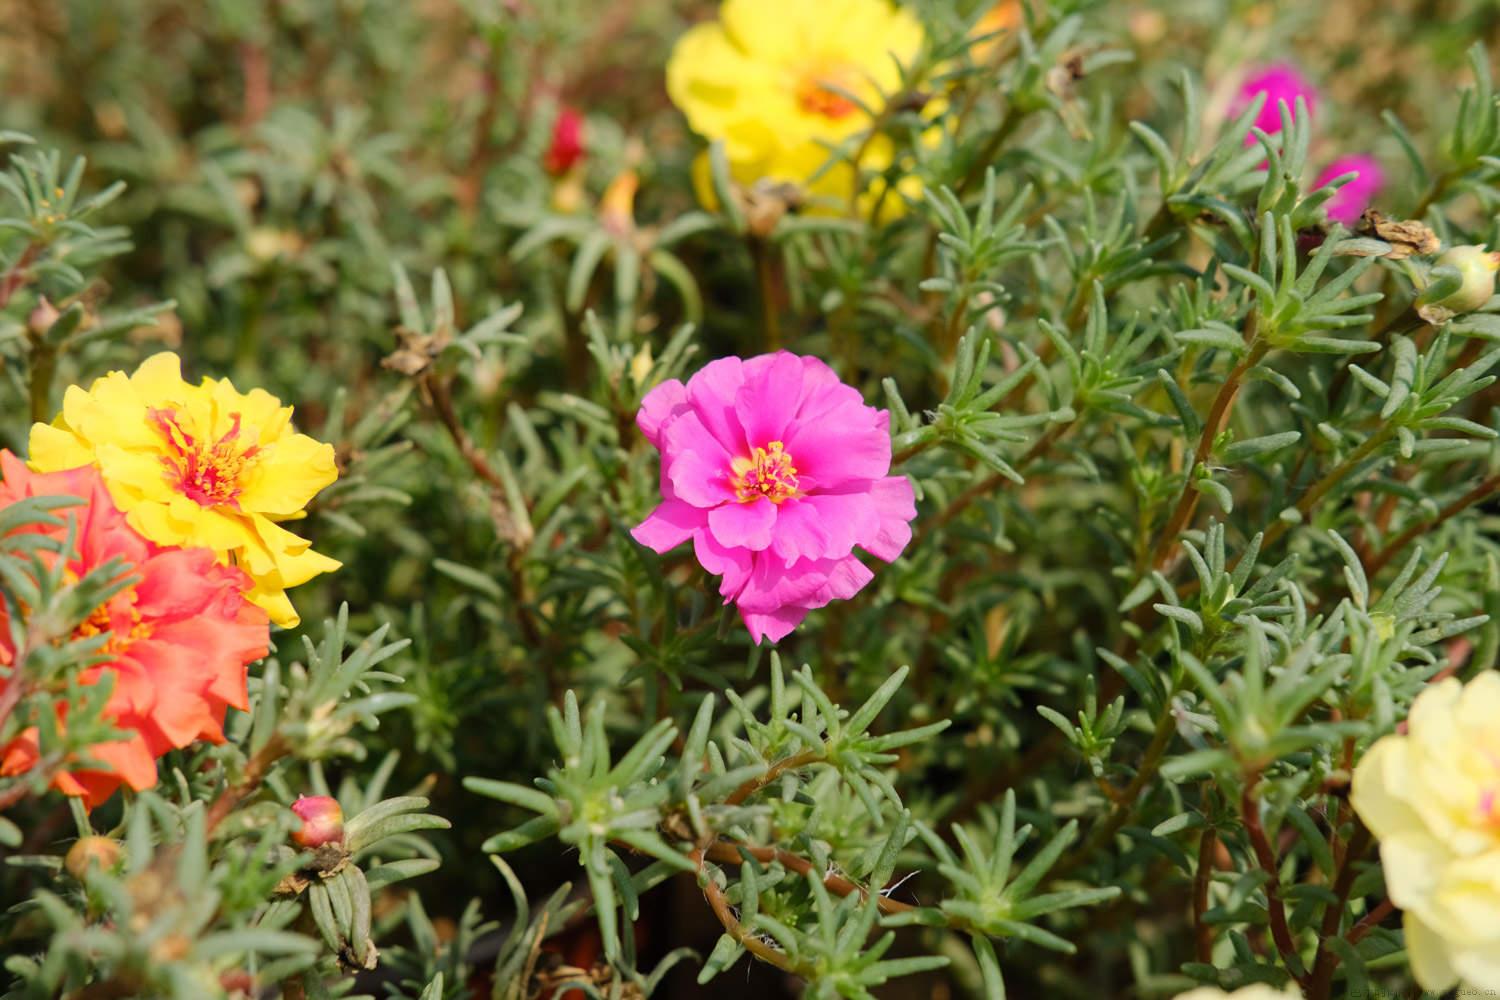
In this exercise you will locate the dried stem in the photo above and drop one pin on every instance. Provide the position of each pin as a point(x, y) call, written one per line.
point(732, 926)
point(764, 256)
point(1326, 962)
point(256, 769)
point(728, 852)
point(1413, 531)
point(15, 275)
point(1203, 934)
point(1370, 921)
point(1323, 486)
point(1265, 855)
point(775, 771)
point(439, 395)
point(1218, 417)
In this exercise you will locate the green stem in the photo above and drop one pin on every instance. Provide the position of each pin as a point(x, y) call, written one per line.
point(765, 273)
point(1321, 488)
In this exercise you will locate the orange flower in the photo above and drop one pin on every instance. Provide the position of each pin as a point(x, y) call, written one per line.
point(181, 637)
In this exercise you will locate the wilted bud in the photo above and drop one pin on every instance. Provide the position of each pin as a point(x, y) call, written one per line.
point(91, 852)
point(322, 821)
point(566, 148)
point(42, 317)
point(1478, 267)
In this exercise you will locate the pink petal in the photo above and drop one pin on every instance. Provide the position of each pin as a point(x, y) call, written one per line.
point(845, 578)
point(743, 525)
point(895, 506)
point(668, 526)
point(767, 401)
point(660, 404)
point(824, 525)
point(695, 463)
point(734, 565)
point(774, 584)
point(176, 583)
point(1279, 82)
point(822, 392)
point(711, 394)
point(773, 625)
point(1351, 200)
point(847, 444)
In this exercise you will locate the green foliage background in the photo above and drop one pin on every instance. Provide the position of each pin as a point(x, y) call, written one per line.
point(344, 202)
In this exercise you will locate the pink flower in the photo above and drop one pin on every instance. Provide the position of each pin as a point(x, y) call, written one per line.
point(775, 470)
point(567, 146)
point(322, 821)
point(1353, 198)
point(1279, 82)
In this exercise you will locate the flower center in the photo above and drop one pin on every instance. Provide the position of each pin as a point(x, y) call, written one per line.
point(768, 472)
point(118, 618)
point(816, 94)
point(208, 473)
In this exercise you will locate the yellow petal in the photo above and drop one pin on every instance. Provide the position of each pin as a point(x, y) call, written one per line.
point(1380, 788)
point(288, 474)
point(295, 561)
point(1414, 864)
point(1428, 956)
point(276, 605)
point(159, 378)
point(133, 476)
point(53, 449)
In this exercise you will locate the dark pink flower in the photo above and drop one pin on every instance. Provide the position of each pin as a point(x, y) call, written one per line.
point(322, 821)
point(1353, 198)
point(776, 471)
point(1279, 82)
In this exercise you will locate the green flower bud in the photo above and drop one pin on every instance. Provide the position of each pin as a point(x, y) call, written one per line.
point(1478, 267)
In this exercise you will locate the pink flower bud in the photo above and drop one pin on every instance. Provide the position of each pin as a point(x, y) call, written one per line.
point(1353, 198)
point(42, 317)
point(567, 142)
point(322, 821)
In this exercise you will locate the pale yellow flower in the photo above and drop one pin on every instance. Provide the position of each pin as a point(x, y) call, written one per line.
point(1432, 798)
point(772, 80)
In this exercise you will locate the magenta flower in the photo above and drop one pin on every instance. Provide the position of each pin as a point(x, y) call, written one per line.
point(1279, 82)
point(776, 470)
point(1353, 198)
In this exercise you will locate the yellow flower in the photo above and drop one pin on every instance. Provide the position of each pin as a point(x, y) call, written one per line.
point(198, 465)
point(770, 79)
point(1432, 798)
point(1259, 991)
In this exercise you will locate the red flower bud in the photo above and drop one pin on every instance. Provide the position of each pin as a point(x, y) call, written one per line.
point(322, 821)
point(567, 142)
